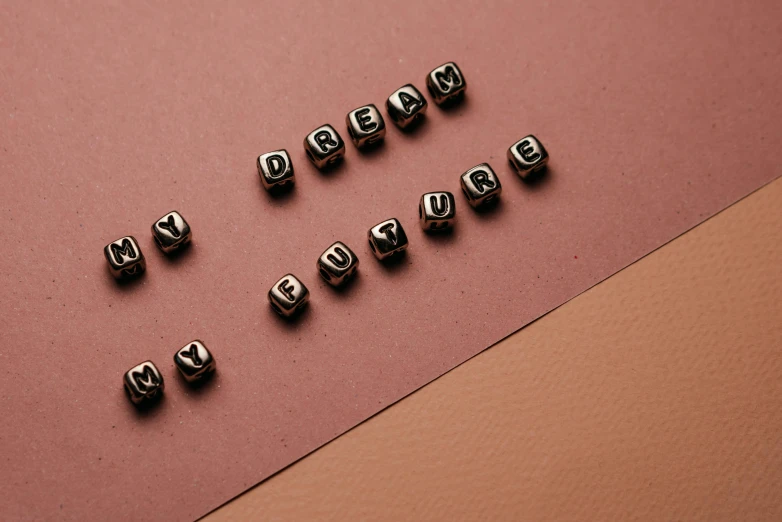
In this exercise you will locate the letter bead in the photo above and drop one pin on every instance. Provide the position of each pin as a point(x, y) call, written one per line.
point(194, 361)
point(366, 126)
point(171, 232)
point(324, 146)
point(275, 169)
point(125, 258)
point(481, 185)
point(143, 383)
point(387, 238)
point(528, 156)
point(406, 106)
point(337, 264)
point(446, 84)
point(288, 296)
point(437, 211)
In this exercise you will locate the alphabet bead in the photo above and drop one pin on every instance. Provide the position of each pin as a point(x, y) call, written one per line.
point(194, 361)
point(275, 169)
point(481, 185)
point(171, 232)
point(437, 211)
point(324, 146)
point(365, 126)
point(406, 106)
point(528, 156)
point(125, 258)
point(288, 296)
point(143, 383)
point(446, 83)
point(387, 238)
point(337, 264)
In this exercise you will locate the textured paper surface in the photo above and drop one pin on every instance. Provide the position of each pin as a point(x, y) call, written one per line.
point(656, 116)
point(653, 396)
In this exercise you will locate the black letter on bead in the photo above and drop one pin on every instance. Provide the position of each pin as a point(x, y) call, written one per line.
point(286, 289)
point(170, 225)
point(323, 139)
point(125, 250)
point(364, 121)
point(276, 166)
point(527, 152)
point(145, 379)
point(342, 262)
point(388, 230)
point(448, 79)
point(442, 209)
point(192, 354)
point(408, 102)
point(480, 179)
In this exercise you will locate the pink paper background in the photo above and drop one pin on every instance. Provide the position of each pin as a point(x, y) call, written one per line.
point(656, 115)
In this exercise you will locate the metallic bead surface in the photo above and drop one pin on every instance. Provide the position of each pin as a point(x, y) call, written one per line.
point(387, 238)
point(365, 126)
point(288, 295)
point(171, 232)
point(275, 169)
point(437, 211)
point(194, 361)
point(528, 156)
point(143, 383)
point(125, 258)
point(406, 106)
point(481, 185)
point(337, 264)
point(324, 146)
point(446, 83)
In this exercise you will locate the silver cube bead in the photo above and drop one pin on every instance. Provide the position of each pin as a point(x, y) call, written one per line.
point(528, 156)
point(437, 211)
point(406, 106)
point(171, 232)
point(143, 383)
point(125, 258)
point(275, 169)
point(366, 126)
point(337, 264)
point(446, 84)
point(194, 361)
point(481, 185)
point(387, 238)
point(324, 146)
point(288, 296)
